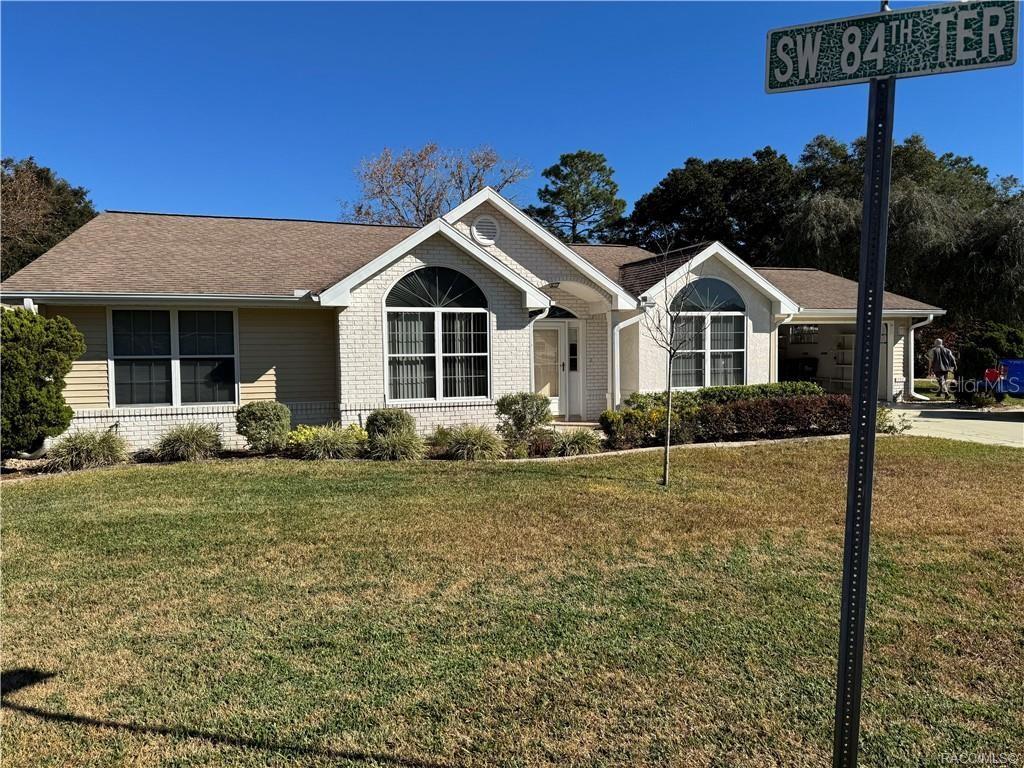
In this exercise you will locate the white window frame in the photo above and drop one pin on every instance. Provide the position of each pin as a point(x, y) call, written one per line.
point(707, 350)
point(438, 355)
point(175, 356)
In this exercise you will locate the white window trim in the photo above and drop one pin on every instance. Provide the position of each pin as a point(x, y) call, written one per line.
point(708, 351)
point(438, 355)
point(175, 357)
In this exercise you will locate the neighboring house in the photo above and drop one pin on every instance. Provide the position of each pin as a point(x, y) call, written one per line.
point(186, 317)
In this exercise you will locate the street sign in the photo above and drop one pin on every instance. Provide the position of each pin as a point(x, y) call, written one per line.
point(877, 48)
point(911, 42)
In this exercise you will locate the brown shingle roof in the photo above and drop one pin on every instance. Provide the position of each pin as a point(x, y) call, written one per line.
point(814, 289)
point(121, 252)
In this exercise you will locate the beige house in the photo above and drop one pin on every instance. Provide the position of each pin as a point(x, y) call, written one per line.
point(188, 317)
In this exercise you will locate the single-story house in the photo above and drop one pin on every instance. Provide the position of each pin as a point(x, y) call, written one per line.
point(188, 317)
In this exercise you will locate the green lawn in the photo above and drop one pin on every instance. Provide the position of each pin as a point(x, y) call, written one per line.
point(284, 613)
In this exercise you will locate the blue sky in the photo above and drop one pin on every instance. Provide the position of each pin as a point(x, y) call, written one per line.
point(265, 109)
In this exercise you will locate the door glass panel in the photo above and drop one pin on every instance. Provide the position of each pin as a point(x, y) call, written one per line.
point(574, 350)
point(545, 361)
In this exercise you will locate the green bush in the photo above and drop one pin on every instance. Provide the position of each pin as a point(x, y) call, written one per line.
point(264, 425)
point(189, 442)
point(688, 400)
point(385, 421)
point(37, 354)
point(541, 443)
point(474, 443)
point(520, 414)
point(331, 441)
point(630, 427)
point(768, 418)
point(575, 442)
point(439, 443)
point(83, 450)
point(889, 422)
point(403, 445)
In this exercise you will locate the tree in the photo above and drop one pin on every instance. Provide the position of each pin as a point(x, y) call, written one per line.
point(39, 209)
point(580, 202)
point(674, 331)
point(37, 355)
point(417, 186)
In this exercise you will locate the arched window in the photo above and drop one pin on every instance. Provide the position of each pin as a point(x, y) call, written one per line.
point(436, 327)
point(710, 332)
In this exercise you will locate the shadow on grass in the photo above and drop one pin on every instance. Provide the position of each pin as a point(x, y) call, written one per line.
point(14, 680)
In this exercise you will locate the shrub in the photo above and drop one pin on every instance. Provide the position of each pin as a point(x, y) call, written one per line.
point(331, 441)
point(386, 421)
point(689, 400)
point(189, 442)
point(403, 445)
point(37, 354)
point(629, 427)
point(888, 422)
point(439, 443)
point(474, 443)
point(575, 442)
point(520, 414)
point(762, 418)
point(83, 450)
point(541, 443)
point(264, 425)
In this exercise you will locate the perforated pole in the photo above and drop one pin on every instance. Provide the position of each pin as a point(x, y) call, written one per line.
point(862, 434)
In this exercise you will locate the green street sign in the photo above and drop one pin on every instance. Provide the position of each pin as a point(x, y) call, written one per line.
point(928, 40)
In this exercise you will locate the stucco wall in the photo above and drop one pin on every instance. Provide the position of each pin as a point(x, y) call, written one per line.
point(653, 373)
point(361, 337)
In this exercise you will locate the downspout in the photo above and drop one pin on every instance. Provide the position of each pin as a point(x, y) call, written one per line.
point(910, 358)
point(616, 361)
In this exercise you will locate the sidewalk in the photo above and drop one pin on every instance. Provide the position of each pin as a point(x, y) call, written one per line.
point(999, 426)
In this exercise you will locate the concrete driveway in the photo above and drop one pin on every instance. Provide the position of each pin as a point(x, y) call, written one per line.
point(999, 426)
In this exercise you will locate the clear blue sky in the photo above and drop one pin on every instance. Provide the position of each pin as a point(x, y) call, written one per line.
point(265, 109)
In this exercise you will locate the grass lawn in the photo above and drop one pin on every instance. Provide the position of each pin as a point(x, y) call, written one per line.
point(276, 612)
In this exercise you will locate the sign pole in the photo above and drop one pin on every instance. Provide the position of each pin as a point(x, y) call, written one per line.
point(860, 477)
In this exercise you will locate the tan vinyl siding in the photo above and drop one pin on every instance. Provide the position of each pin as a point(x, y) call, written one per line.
point(86, 384)
point(288, 354)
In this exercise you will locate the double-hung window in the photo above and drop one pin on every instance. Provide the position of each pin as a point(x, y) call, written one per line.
point(437, 337)
point(173, 357)
point(709, 335)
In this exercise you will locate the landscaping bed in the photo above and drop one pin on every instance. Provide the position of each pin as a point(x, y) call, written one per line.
point(271, 612)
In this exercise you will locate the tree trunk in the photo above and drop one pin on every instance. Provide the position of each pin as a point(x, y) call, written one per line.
point(668, 424)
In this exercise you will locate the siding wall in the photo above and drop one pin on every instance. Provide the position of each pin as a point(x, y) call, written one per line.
point(86, 384)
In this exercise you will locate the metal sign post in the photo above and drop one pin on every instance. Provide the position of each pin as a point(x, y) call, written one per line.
point(878, 48)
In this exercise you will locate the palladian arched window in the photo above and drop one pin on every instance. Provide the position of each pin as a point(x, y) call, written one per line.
point(710, 331)
point(437, 328)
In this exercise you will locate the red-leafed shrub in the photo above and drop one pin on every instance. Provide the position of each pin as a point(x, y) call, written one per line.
point(766, 418)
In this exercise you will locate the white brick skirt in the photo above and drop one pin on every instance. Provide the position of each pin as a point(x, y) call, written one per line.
point(143, 427)
point(429, 416)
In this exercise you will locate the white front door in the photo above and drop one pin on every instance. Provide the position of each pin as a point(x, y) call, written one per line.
point(549, 368)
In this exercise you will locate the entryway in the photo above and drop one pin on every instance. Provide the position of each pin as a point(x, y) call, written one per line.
point(557, 365)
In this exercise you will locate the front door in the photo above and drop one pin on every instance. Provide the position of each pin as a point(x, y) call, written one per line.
point(549, 374)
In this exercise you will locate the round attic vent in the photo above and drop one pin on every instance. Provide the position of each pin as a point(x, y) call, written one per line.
point(485, 230)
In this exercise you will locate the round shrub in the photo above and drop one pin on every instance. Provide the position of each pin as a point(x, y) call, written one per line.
point(474, 443)
point(403, 445)
point(37, 354)
point(84, 450)
point(332, 441)
point(385, 421)
point(264, 425)
point(541, 442)
point(189, 442)
point(575, 442)
point(520, 414)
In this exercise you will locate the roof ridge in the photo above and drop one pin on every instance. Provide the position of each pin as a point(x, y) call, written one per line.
point(257, 218)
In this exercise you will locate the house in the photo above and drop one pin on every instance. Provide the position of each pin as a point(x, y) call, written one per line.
point(187, 317)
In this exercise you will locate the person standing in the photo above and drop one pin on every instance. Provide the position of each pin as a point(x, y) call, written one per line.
point(941, 363)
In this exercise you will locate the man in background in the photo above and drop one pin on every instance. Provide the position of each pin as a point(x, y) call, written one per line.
point(941, 363)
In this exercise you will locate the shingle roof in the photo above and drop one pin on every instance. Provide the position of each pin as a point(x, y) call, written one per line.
point(814, 289)
point(123, 252)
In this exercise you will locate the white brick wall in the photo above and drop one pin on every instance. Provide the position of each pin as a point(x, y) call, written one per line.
point(361, 339)
point(143, 427)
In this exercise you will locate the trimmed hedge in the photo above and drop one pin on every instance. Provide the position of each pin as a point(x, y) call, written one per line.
point(773, 417)
point(388, 421)
point(264, 424)
point(648, 400)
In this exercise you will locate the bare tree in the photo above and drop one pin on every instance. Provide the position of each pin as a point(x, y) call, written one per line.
point(417, 186)
point(674, 329)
